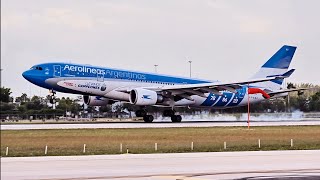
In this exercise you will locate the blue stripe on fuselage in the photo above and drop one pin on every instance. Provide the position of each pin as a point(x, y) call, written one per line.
point(224, 99)
point(227, 97)
point(211, 99)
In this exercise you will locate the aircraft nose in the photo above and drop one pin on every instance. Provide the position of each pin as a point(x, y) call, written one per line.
point(26, 74)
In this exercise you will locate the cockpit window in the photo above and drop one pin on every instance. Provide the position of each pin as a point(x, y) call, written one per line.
point(36, 68)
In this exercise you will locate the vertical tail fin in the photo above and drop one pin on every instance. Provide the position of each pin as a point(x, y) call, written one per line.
point(277, 64)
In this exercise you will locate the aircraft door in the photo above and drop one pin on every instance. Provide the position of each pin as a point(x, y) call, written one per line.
point(100, 77)
point(57, 70)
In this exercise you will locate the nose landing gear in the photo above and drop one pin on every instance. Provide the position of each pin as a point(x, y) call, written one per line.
point(52, 98)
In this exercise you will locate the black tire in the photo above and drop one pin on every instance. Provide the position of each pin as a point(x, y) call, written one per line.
point(176, 118)
point(148, 118)
point(179, 118)
point(173, 118)
point(138, 114)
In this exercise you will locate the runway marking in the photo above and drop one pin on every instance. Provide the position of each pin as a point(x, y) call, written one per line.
point(186, 176)
point(152, 156)
point(159, 124)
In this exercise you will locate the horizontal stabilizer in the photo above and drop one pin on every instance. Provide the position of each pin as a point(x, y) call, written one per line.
point(288, 74)
point(284, 75)
point(288, 90)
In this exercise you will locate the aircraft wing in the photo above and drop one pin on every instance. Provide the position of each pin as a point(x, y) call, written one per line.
point(187, 90)
point(216, 86)
point(200, 89)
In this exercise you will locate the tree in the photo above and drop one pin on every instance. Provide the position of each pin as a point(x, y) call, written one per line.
point(68, 104)
point(35, 103)
point(35, 99)
point(24, 98)
point(6, 107)
point(5, 94)
point(315, 102)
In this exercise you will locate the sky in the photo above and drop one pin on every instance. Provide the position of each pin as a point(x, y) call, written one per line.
point(226, 40)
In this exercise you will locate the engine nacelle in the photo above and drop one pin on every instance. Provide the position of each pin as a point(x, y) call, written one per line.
point(141, 97)
point(96, 100)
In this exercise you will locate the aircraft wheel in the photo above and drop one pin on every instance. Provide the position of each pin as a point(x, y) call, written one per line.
point(148, 118)
point(179, 118)
point(176, 118)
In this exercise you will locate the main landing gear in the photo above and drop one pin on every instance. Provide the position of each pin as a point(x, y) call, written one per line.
point(167, 113)
point(171, 113)
point(147, 118)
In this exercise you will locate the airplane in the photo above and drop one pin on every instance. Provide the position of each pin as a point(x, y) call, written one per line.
point(101, 86)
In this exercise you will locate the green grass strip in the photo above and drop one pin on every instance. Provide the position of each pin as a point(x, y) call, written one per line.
point(169, 140)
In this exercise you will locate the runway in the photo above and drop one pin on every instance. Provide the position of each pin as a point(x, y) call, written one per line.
point(183, 166)
point(157, 124)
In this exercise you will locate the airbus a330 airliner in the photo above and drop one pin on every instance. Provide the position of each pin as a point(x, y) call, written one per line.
point(101, 86)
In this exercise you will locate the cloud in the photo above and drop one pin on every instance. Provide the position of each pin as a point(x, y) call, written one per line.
point(65, 17)
point(14, 20)
point(254, 24)
point(219, 36)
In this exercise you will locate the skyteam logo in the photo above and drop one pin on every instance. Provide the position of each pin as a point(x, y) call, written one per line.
point(103, 87)
point(146, 97)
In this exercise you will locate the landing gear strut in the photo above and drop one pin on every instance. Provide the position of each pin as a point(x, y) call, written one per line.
point(52, 99)
point(171, 113)
point(147, 118)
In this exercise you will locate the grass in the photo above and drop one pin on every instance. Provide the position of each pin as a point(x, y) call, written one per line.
point(107, 141)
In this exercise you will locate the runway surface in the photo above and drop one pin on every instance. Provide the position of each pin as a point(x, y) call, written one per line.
point(158, 124)
point(183, 166)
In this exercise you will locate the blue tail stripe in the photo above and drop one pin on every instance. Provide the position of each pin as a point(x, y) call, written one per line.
point(282, 58)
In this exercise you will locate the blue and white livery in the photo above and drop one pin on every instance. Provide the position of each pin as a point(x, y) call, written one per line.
point(101, 86)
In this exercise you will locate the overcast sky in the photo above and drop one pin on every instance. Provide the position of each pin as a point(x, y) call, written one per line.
point(226, 40)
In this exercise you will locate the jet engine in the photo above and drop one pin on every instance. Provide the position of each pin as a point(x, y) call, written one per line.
point(141, 97)
point(96, 100)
